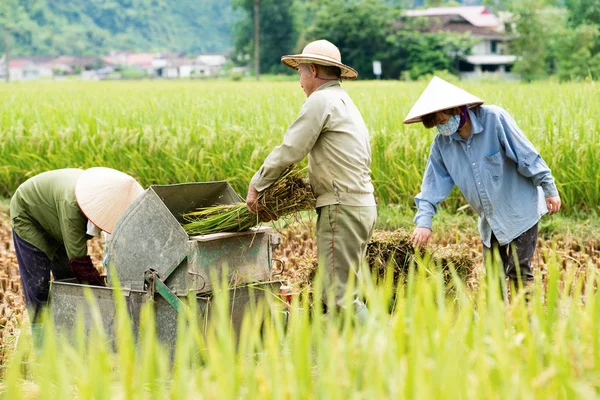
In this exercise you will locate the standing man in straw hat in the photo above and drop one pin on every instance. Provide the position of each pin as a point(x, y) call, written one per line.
point(54, 214)
point(481, 150)
point(331, 131)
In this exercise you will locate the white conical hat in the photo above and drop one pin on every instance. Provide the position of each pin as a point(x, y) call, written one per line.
point(321, 52)
point(440, 95)
point(103, 194)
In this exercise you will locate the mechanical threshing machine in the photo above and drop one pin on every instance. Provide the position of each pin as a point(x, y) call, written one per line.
point(155, 260)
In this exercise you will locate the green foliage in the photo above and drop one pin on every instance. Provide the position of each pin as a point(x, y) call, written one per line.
point(358, 28)
point(132, 73)
point(561, 41)
point(531, 44)
point(278, 34)
point(415, 53)
point(575, 59)
point(371, 30)
point(583, 12)
point(420, 341)
point(92, 27)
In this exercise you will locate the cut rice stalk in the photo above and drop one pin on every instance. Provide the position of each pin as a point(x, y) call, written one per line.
point(289, 195)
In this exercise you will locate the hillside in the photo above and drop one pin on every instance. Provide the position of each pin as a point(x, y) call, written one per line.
point(90, 27)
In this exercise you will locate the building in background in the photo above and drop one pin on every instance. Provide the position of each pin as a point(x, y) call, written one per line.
point(115, 65)
point(491, 53)
point(27, 68)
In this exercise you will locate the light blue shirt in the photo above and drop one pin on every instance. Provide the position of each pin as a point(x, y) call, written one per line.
point(502, 176)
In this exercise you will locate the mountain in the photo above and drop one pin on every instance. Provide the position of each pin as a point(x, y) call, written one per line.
point(92, 27)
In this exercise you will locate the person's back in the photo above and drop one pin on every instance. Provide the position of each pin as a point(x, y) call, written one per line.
point(50, 213)
point(504, 178)
point(44, 210)
point(340, 160)
point(331, 131)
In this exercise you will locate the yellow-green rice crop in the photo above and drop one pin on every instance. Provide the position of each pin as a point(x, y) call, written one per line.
point(431, 346)
point(168, 132)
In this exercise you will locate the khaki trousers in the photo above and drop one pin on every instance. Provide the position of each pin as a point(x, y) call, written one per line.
point(343, 233)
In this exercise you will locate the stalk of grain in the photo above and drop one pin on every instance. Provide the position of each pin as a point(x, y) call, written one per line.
point(288, 196)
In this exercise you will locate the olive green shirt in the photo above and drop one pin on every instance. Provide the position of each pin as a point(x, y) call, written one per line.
point(45, 213)
point(331, 130)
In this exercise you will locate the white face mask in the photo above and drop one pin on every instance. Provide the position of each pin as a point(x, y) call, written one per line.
point(93, 230)
point(450, 126)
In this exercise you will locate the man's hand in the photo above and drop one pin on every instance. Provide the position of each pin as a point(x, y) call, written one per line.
point(420, 237)
point(252, 200)
point(553, 204)
point(254, 207)
point(84, 271)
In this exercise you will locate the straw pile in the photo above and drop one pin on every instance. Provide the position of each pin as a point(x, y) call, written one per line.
point(289, 195)
point(393, 249)
point(12, 307)
point(299, 252)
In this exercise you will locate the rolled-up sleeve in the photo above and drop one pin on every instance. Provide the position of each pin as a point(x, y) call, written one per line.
point(436, 186)
point(519, 149)
point(298, 140)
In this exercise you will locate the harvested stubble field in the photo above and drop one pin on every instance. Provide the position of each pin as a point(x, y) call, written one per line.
point(298, 251)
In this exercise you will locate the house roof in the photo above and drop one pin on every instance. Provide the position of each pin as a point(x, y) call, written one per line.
point(491, 59)
point(18, 63)
point(456, 23)
point(476, 15)
point(76, 61)
point(214, 60)
point(140, 59)
point(130, 59)
point(178, 62)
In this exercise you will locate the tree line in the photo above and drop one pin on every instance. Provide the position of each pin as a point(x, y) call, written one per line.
point(94, 27)
point(551, 37)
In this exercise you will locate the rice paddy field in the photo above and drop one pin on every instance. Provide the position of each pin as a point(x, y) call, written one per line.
point(437, 330)
point(165, 132)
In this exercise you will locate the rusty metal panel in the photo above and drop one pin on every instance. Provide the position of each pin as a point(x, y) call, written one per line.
point(150, 236)
point(245, 257)
point(67, 300)
point(147, 237)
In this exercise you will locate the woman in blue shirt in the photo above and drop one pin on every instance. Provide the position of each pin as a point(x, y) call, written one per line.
point(481, 150)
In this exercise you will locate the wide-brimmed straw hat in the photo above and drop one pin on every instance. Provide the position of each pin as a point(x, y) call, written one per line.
point(103, 194)
point(440, 95)
point(320, 52)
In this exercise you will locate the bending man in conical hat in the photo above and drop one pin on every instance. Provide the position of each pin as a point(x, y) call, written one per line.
point(481, 150)
point(53, 215)
point(331, 131)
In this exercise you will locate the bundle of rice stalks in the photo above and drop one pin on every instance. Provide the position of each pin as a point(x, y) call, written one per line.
point(289, 195)
point(385, 250)
point(395, 250)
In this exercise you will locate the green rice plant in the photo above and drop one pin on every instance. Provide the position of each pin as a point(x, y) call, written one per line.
point(419, 341)
point(173, 132)
point(288, 196)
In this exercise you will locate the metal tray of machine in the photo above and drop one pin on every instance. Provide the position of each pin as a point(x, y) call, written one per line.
point(154, 259)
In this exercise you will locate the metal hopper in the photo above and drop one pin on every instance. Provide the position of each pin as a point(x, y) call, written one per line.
point(154, 259)
point(150, 237)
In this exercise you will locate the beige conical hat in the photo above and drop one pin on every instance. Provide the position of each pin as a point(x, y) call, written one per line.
point(440, 95)
point(103, 194)
point(321, 52)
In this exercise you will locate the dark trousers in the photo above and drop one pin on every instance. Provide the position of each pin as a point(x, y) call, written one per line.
point(35, 267)
point(516, 255)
